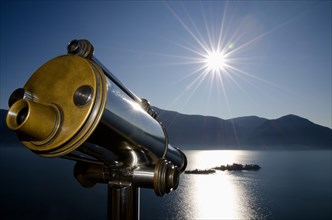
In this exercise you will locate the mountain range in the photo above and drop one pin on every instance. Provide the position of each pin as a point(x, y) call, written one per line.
point(251, 132)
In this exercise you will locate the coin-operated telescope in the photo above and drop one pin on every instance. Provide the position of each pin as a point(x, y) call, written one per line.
point(73, 107)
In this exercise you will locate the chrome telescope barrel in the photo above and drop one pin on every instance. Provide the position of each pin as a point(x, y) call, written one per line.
point(73, 107)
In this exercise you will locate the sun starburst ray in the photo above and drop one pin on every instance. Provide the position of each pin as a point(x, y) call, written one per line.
point(201, 43)
point(191, 88)
point(221, 29)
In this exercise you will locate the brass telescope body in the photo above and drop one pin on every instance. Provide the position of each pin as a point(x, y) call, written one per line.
point(73, 107)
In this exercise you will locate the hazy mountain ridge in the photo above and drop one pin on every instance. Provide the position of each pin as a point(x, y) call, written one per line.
point(250, 132)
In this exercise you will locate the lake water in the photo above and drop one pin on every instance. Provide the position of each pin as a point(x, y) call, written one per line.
point(290, 185)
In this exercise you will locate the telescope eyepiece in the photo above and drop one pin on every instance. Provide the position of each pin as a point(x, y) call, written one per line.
point(22, 115)
point(22, 118)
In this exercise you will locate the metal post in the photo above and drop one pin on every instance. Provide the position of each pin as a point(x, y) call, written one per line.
point(123, 201)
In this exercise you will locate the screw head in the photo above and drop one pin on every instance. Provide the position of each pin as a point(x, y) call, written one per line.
point(83, 95)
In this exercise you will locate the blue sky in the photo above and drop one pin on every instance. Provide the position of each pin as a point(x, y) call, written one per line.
point(277, 54)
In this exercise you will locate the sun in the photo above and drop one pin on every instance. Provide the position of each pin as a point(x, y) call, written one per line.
point(215, 61)
point(219, 49)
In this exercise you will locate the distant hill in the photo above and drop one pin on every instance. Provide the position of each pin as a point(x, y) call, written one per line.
point(251, 132)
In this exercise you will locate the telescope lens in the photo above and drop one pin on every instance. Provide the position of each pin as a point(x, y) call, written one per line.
point(22, 115)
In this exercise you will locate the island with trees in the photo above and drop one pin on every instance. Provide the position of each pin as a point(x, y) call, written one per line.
point(228, 167)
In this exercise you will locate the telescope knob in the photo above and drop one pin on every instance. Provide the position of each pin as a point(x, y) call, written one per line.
point(166, 177)
point(81, 48)
point(147, 107)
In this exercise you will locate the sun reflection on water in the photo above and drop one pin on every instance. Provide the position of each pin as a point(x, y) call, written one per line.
point(213, 158)
point(216, 197)
point(221, 195)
